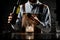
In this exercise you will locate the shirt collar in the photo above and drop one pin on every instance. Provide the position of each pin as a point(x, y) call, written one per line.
point(35, 3)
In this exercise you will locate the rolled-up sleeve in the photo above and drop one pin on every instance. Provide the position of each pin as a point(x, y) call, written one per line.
point(48, 17)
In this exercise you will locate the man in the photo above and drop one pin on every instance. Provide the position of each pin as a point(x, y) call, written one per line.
point(46, 21)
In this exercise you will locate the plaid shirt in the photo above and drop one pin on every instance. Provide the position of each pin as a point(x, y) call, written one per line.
point(28, 9)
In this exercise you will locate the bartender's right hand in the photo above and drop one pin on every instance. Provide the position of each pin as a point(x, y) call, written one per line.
point(10, 17)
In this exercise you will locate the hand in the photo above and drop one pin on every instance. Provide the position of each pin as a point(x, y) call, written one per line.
point(10, 17)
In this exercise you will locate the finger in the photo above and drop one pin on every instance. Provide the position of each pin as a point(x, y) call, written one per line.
point(10, 17)
point(9, 20)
